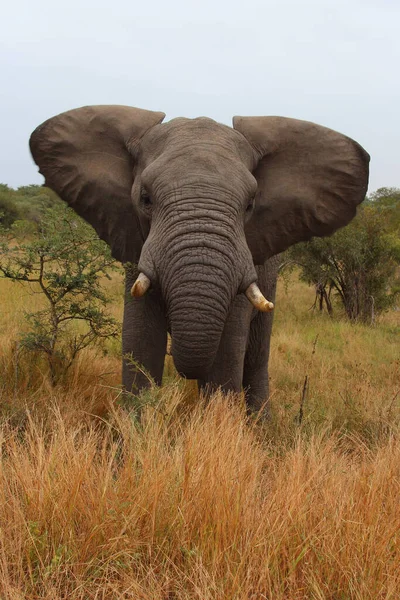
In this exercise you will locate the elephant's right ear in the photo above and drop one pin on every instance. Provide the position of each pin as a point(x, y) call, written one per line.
point(84, 155)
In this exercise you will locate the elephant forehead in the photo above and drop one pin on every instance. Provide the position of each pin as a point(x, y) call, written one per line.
point(198, 166)
point(194, 136)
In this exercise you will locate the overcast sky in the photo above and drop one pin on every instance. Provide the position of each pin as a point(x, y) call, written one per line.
point(335, 62)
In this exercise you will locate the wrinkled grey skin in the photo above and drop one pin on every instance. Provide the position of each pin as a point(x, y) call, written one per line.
point(203, 209)
point(243, 352)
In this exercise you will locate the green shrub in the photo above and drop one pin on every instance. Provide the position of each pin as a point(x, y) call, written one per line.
point(65, 260)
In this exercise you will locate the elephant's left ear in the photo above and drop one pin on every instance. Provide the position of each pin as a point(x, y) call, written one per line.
point(310, 181)
point(86, 157)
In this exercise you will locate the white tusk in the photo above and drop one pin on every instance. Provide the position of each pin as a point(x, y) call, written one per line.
point(255, 296)
point(140, 286)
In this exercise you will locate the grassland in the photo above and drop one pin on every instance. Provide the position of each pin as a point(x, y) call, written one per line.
point(195, 501)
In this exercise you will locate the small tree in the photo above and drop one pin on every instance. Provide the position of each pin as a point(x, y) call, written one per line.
point(359, 262)
point(63, 261)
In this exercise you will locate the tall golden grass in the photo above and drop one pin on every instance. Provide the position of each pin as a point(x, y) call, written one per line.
point(195, 500)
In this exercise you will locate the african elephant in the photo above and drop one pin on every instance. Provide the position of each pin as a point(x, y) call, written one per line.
point(202, 209)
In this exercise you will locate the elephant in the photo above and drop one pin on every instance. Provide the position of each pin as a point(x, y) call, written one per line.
point(198, 212)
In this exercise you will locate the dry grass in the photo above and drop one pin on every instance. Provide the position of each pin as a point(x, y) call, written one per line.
point(195, 501)
point(354, 374)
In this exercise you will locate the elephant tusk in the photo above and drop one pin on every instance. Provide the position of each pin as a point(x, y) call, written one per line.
point(140, 286)
point(255, 296)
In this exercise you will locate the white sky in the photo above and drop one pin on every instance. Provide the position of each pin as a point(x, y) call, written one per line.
point(335, 62)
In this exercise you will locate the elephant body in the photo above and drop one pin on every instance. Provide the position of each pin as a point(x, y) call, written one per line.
point(200, 211)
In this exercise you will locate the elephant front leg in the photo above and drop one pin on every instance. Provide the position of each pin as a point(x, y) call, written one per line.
point(144, 338)
point(255, 373)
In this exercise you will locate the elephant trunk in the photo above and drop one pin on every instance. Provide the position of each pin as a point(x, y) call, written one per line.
point(198, 305)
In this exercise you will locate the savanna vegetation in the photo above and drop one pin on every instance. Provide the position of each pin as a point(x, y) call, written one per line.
point(196, 500)
point(62, 260)
point(359, 263)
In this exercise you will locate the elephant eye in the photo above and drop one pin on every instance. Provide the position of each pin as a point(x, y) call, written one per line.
point(250, 204)
point(145, 199)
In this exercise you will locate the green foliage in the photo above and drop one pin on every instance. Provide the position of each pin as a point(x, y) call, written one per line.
point(27, 203)
point(360, 262)
point(63, 261)
point(386, 202)
point(9, 212)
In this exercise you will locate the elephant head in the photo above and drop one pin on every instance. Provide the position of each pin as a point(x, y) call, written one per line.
point(197, 204)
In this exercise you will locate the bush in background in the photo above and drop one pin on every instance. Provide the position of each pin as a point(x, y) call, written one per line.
point(359, 263)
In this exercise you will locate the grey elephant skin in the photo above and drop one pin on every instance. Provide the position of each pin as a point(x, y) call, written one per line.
point(201, 210)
